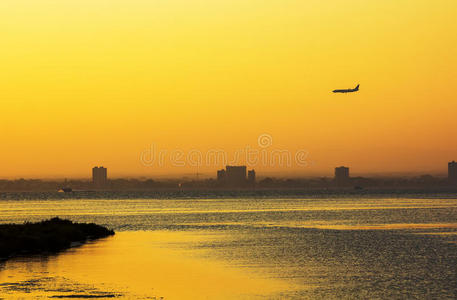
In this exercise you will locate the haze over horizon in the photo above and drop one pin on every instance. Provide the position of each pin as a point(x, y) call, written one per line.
point(88, 83)
point(159, 176)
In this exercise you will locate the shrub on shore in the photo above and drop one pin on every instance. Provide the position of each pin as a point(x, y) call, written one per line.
point(46, 236)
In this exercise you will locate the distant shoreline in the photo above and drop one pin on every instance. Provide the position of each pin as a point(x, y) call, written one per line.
point(263, 193)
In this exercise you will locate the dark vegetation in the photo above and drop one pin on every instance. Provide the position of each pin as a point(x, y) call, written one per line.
point(46, 236)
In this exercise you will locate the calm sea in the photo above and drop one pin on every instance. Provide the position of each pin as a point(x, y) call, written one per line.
point(353, 247)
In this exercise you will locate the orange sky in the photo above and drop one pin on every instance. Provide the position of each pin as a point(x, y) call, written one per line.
point(92, 82)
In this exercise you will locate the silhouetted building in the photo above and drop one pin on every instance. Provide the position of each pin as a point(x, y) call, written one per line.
point(99, 177)
point(452, 172)
point(236, 175)
point(251, 176)
point(221, 176)
point(342, 175)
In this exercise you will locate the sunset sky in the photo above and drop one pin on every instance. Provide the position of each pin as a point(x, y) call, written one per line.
point(92, 82)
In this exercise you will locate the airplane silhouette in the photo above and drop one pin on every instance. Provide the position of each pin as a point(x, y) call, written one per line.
point(348, 90)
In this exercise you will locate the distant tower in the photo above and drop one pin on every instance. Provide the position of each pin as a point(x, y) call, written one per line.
point(251, 176)
point(452, 172)
point(236, 175)
point(342, 175)
point(99, 177)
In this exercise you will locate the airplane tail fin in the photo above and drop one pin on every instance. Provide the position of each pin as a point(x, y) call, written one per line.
point(357, 87)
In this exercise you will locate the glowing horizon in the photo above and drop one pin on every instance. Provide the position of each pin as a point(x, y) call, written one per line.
point(88, 83)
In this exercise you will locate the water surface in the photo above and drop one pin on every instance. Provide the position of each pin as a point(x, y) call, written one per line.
point(244, 248)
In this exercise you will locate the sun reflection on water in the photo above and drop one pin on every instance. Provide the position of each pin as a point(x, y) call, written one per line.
point(134, 265)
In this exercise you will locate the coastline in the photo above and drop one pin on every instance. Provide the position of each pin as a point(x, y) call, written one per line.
point(263, 193)
point(48, 236)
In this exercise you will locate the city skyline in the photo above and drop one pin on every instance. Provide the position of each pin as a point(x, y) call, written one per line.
point(99, 174)
point(240, 178)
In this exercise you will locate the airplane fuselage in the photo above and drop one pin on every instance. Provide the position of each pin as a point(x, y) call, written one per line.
point(347, 90)
point(344, 91)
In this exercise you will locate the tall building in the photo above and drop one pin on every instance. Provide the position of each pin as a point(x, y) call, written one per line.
point(341, 175)
point(99, 177)
point(452, 172)
point(251, 176)
point(236, 175)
